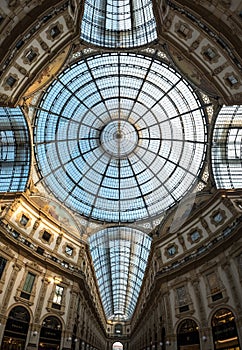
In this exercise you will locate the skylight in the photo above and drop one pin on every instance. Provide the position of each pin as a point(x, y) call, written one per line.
point(120, 256)
point(14, 150)
point(118, 23)
point(227, 147)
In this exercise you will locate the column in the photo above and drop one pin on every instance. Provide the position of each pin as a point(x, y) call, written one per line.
point(205, 331)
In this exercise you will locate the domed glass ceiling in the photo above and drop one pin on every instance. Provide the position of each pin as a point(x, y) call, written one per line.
point(120, 137)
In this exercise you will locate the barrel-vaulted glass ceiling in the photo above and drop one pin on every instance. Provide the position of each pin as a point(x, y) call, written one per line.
point(118, 23)
point(226, 148)
point(119, 255)
point(120, 137)
point(14, 150)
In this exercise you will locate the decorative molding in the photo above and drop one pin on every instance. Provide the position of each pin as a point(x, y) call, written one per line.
point(54, 31)
point(192, 232)
point(41, 233)
point(174, 248)
point(210, 54)
point(183, 30)
point(220, 214)
point(19, 217)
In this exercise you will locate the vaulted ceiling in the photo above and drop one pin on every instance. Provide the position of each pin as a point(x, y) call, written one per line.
point(120, 100)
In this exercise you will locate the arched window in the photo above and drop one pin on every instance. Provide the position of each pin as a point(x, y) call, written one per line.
point(117, 346)
point(188, 335)
point(16, 329)
point(224, 328)
point(50, 334)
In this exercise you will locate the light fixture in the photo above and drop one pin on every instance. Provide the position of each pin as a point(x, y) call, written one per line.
point(69, 339)
point(57, 280)
point(168, 342)
point(75, 340)
point(50, 279)
point(227, 340)
point(204, 338)
point(35, 333)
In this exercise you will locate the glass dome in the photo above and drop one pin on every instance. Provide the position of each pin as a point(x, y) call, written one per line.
point(120, 137)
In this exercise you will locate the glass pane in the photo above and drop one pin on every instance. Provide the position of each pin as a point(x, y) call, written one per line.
point(29, 282)
point(58, 295)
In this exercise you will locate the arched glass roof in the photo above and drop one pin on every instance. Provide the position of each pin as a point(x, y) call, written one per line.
point(120, 256)
point(120, 137)
point(118, 23)
point(14, 150)
point(226, 148)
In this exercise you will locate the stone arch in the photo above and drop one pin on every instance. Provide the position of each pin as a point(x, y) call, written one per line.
point(224, 329)
point(16, 329)
point(188, 334)
point(50, 333)
point(117, 346)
